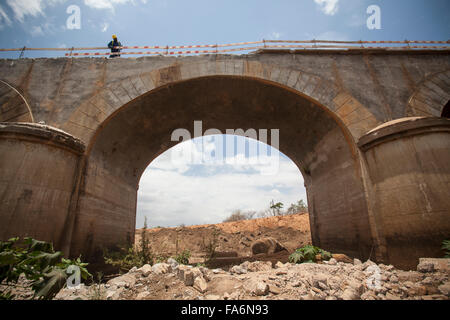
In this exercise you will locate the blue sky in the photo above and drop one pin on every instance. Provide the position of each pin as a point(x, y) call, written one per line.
point(42, 23)
point(175, 192)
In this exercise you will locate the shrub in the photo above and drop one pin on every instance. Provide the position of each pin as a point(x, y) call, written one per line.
point(308, 253)
point(446, 247)
point(300, 206)
point(125, 258)
point(38, 262)
point(239, 215)
point(210, 247)
point(183, 258)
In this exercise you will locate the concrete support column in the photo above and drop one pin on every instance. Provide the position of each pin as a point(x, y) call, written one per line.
point(408, 163)
point(38, 173)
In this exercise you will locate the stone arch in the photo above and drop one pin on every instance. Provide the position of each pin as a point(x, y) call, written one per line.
point(131, 122)
point(13, 105)
point(89, 116)
point(432, 95)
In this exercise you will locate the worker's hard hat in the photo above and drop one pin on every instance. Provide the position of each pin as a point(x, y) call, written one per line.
point(114, 36)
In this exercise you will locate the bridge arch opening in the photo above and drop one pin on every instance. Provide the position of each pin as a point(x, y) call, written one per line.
point(446, 110)
point(205, 179)
point(309, 134)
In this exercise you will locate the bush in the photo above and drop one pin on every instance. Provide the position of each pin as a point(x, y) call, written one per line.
point(38, 262)
point(183, 258)
point(125, 258)
point(210, 247)
point(446, 247)
point(239, 215)
point(300, 206)
point(308, 253)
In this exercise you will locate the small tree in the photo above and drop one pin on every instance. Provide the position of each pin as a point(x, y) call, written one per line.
point(300, 206)
point(128, 257)
point(275, 208)
point(238, 215)
point(145, 251)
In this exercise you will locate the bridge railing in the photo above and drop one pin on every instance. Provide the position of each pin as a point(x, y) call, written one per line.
point(251, 46)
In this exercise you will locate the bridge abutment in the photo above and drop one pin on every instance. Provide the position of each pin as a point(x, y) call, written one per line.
point(38, 173)
point(409, 176)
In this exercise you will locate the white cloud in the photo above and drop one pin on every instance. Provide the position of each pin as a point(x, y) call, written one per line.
point(4, 19)
point(105, 26)
point(106, 4)
point(22, 8)
point(331, 35)
point(329, 7)
point(274, 35)
point(36, 31)
point(43, 29)
point(170, 194)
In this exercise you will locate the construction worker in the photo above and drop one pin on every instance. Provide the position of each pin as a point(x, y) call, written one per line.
point(112, 44)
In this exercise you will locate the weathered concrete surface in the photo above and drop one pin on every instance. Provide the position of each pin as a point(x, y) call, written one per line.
point(38, 166)
point(13, 106)
point(322, 102)
point(409, 172)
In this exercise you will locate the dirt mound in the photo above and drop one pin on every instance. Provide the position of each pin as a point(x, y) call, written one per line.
point(229, 239)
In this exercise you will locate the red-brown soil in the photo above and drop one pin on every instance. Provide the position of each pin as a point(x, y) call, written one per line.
point(230, 239)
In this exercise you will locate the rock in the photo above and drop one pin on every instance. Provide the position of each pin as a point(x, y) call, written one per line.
point(267, 246)
point(145, 270)
point(279, 265)
point(332, 261)
point(368, 263)
point(350, 294)
point(188, 278)
point(115, 295)
point(445, 288)
point(261, 289)
point(173, 263)
point(200, 284)
point(413, 276)
point(274, 289)
point(134, 269)
point(259, 266)
point(110, 294)
point(234, 295)
point(161, 268)
point(296, 283)
point(206, 273)
point(434, 264)
point(368, 295)
point(393, 279)
point(126, 280)
point(142, 295)
point(356, 285)
point(425, 266)
point(390, 296)
point(212, 297)
point(238, 270)
point(340, 257)
point(319, 278)
point(357, 262)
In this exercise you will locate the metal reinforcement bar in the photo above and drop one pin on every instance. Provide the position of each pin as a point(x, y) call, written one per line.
point(254, 45)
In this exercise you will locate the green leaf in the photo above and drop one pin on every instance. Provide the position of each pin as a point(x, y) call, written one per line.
point(7, 258)
point(51, 284)
point(37, 245)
